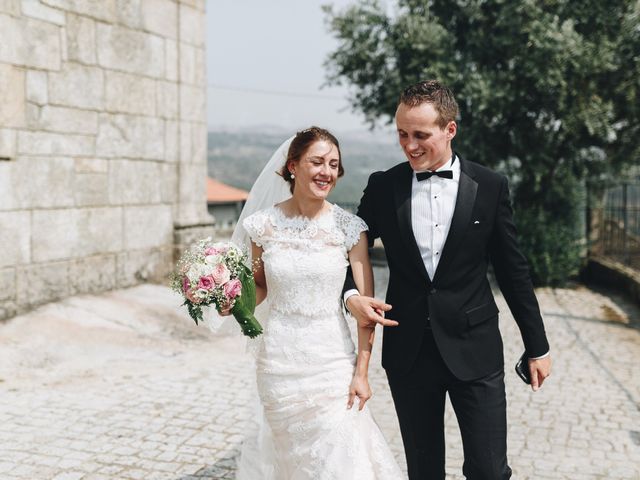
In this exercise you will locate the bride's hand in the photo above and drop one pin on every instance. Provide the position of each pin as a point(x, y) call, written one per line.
point(359, 388)
point(225, 310)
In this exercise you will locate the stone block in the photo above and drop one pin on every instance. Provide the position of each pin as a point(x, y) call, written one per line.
point(35, 9)
point(12, 95)
point(192, 184)
point(199, 143)
point(187, 235)
point(126, 93)
point(55, 234)
point(37, 88)
point(192, 26)
point(77, 86)
point(98, 9)
point(92, 274)
point(169, 183)
point(129, 50)
point(81, 39)
point(8, 309)
point(160, 17)
point(62, 119)
point(8, 139)
point(193, 103)
point(167, 99)
point(193, 142)
point(171, 60)
point(185, 146)
point(100, 230)
point(192, 65)
point(43, 182)
point(171, 150)
point(91, 189)
point(130, 13)
point(91, 165)
point(150, 265)
point(7, 284)
point(7, 196)
point(134, 182)
point(38, 284)
point(12, 7)
point(130, 136)
point(42, 48)
point(73, 233)
point(44, 143)
point(147, 227)
point(29, 42)
point(15, 238)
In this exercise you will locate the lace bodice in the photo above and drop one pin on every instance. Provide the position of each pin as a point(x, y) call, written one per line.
point(305, 259)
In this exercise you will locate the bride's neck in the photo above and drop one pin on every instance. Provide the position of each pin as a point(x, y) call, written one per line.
point(306, 207)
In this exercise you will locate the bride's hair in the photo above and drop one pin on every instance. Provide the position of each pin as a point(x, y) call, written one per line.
point(301, 143)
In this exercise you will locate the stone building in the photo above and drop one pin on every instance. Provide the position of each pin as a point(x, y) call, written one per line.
point(102, 144)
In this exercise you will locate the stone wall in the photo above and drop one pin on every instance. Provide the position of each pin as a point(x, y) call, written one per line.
point(102, 144)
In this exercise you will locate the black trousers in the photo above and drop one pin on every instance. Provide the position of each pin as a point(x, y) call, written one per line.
point(480, 407)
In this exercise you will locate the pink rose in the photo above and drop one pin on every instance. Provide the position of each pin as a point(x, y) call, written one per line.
point(206, 283)
point(215, 250)
point(232, 288)
point(221, 274)
point(185, 284)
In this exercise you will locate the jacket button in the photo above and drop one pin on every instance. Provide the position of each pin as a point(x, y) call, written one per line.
point(432, 291)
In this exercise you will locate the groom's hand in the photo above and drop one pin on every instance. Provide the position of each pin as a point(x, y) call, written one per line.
point(369, 311)
point(540, 369)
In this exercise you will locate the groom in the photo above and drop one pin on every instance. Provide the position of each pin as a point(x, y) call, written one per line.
point(442, 220)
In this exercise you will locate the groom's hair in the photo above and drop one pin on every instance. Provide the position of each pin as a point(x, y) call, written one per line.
point(435, 93)
point(301, 143)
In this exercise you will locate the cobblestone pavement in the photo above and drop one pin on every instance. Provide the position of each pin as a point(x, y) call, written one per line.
point(123, 386)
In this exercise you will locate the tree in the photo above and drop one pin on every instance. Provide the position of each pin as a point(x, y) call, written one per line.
point(549, 93)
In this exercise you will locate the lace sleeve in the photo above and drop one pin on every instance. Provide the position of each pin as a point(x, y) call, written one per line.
point(352, 226)
point(255, 225)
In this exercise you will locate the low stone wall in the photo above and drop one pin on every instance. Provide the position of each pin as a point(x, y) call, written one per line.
point(605, 271)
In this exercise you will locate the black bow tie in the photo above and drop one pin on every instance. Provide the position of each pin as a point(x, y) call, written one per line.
point(442, 173)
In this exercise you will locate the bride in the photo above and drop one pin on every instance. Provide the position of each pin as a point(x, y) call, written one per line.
point(312, 422)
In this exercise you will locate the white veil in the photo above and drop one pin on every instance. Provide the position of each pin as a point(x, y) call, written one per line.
point(268, 189)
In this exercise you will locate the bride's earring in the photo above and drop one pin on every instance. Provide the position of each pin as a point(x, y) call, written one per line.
point(293, 176)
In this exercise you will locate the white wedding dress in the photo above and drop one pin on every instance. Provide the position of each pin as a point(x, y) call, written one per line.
point(305, 358)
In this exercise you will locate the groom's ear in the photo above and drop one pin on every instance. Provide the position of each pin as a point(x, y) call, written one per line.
point(452, 129)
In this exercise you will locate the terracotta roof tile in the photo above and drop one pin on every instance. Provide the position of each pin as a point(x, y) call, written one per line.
point(221, 192)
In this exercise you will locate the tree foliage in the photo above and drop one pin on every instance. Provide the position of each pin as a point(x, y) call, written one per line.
point(549, 93)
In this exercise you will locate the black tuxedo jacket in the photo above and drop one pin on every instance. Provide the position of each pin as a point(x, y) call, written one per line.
point(457, 302)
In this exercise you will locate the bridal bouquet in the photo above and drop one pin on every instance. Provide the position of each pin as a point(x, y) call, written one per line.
point(216, 274)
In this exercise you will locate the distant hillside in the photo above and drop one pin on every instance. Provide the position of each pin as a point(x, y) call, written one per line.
point(238, 157)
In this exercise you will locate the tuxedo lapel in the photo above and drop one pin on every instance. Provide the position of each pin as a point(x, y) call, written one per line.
point(402, 195)
point(467, 189)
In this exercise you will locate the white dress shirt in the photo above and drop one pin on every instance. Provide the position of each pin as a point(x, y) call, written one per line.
point(432, 203)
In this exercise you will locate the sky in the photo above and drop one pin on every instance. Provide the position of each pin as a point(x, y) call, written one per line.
point(265, 66)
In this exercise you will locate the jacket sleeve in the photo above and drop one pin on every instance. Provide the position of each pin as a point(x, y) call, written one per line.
point(366, 211)
point(512, 273)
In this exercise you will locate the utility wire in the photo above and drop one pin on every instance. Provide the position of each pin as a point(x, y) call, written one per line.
point(317, 96)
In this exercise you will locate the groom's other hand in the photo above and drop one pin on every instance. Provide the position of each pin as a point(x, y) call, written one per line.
point(540, 369)
point(369, 311)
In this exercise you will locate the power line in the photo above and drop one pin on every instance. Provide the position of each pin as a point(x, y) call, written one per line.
point(280, 93)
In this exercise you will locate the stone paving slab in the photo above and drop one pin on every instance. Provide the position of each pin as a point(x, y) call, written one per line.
point(124, 386)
